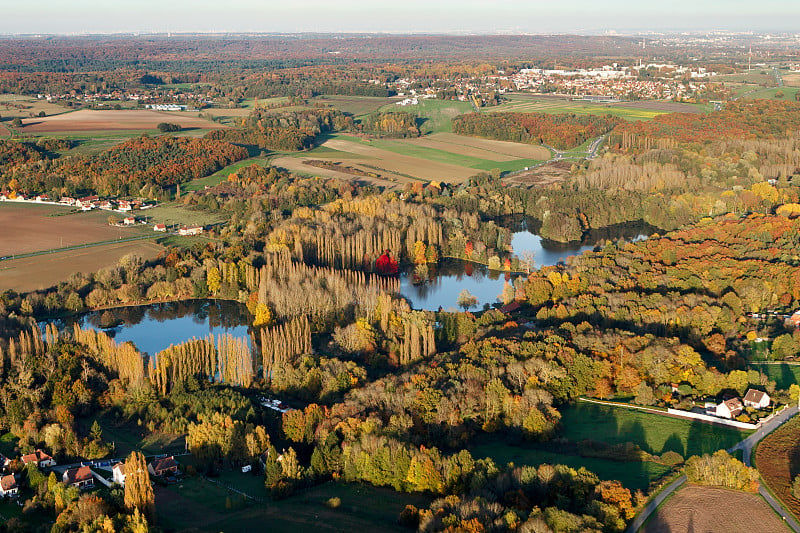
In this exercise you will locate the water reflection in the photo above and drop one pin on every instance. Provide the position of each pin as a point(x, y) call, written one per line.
point(154, 327)
point(446, 281)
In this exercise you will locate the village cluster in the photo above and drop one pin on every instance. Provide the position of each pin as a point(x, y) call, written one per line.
point(81, 476)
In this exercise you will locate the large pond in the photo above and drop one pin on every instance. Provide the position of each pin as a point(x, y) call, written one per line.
point(451, 277)
point(155, 327)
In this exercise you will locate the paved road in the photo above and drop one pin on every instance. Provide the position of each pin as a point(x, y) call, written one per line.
point(750, 442)
point(746, 446)
point(778, 507)
point(653, 505)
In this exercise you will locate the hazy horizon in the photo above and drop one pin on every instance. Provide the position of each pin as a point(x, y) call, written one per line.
point(408, 17)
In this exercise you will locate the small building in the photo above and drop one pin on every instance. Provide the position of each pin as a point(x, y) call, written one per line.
point(8, 486)
point(4, 462)
point(165, 466)
point(124, 205)
point(795, 319)
point(510, 308)
point(129, 221)
point(67, 200)
point(41, 459)
point(757, 399)
point(729, 408)
point(190, 230)
point(80, 477)
point(106, 205)
point(118, 473)
point(42, 198)
point(160, 227)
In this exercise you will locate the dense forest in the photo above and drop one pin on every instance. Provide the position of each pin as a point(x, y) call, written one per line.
point(560, 131)
point(143, 166)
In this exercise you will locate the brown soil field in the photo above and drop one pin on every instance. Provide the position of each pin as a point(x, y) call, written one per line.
point(541, 176)
point(482, 148)
point(387, 179)
point(43, 271)
point(670, 107)
point(402, 164)
point(714, 510)
point(89, 120)
point(4, 131)
point(778, 462)
point(792, 80)
point(28, 228)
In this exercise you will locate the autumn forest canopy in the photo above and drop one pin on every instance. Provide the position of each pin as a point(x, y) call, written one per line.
point(463, 420)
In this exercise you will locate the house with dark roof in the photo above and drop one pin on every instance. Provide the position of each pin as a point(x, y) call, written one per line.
point(730, 408)
point(164, 466)
point(80, 477)
point(757, 399)
point(41, 459)
point(8, 486)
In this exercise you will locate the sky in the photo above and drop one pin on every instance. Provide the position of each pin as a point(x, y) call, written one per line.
point(396, 16)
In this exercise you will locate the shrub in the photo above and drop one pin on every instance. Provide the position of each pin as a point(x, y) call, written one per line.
point(167, 127)
point(334, 503)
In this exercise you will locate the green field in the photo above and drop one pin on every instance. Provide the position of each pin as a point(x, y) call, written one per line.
point(525, 103)
point(8, 442)
point(441, 156)
point(221, 175)
point(653, 433)
point(783, 374)
point(633, 475)
point(197, 503)
point(172, 213)
point(436, 115)
point(789, 94)
point(354, 105)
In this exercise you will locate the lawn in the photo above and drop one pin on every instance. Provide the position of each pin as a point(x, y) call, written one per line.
point(633, 475)
point(783, 374)
point(653, 433)
point(197, 503)
point(172, 213)
point(127, 438)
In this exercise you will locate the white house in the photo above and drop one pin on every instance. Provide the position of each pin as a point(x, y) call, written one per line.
point(118, 473)
point(190, 230)
point(80, 477)
point(757, 399)
point(160, 227)
point(41, 459)
point(730, 408)
point(8, 486)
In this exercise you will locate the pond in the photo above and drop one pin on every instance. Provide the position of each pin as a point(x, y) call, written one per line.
point(451, 276)
point(154, 327)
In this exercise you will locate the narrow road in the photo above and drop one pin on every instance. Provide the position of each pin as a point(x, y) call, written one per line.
point(746, 445)
point(653, 505)
point(778, 507)
point(80, 246)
